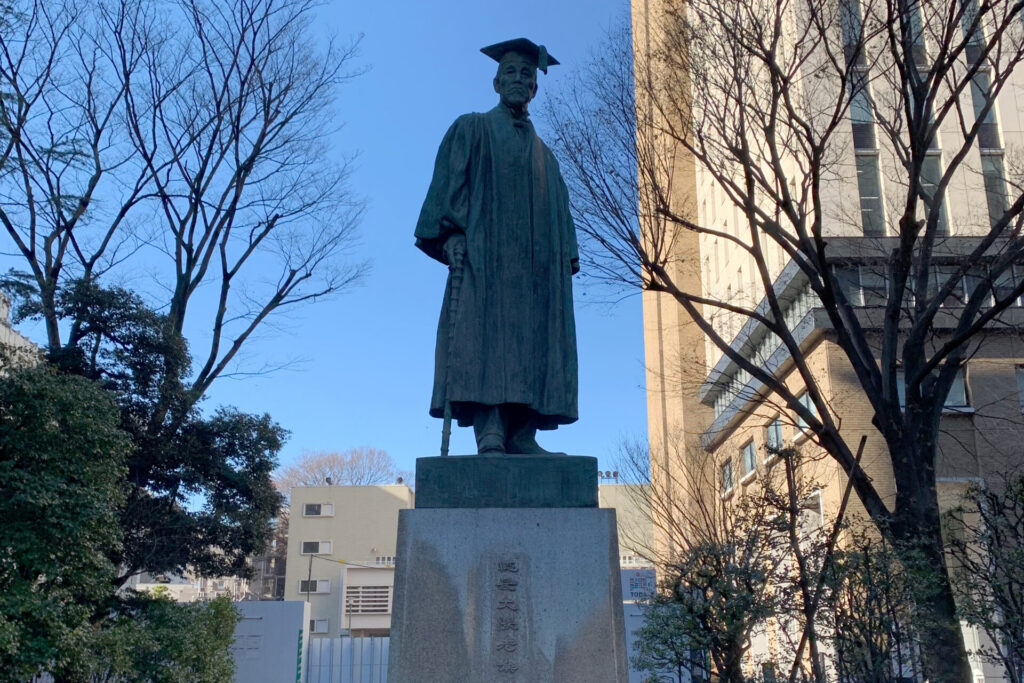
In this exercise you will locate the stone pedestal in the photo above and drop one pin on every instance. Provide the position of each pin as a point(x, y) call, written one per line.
point(502, 593)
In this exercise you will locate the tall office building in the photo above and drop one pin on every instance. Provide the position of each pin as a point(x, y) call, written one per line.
point(707, 412)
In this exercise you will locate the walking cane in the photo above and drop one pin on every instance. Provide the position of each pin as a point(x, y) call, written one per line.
point(453, 311)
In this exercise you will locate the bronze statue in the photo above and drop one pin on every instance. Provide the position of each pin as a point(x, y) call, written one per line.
point(497, 212)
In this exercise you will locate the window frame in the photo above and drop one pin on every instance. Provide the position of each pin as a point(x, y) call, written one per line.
point(934, 179)
point(727, 483)
point(748, 459)
point(326, 510)
point(804, 399)
point(772, 430)
point(319, 551)
point(321, 586)
point(959, 381)
point(871, 206)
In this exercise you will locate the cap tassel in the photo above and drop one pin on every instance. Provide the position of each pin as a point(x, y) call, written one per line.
point(542, 58)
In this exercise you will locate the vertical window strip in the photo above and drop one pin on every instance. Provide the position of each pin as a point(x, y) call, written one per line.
point(931, 175)
point(981, 94)
point(995, 186)
point(851, 24)
point(727, 477)
point(773, 436)
point(869, 187)
point(918, 51)
point(749, 458)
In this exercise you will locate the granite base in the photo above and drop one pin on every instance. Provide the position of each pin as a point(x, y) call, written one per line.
point(507, 596)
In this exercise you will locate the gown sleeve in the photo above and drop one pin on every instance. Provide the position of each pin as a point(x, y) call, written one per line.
point(446, 209)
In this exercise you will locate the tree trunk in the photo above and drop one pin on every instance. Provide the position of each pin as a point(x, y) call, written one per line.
point(943, 651)
point(734, 665)
point(918, 529)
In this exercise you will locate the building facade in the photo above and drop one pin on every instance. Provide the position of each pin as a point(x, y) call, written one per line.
point(707, 413)
point(341, 556)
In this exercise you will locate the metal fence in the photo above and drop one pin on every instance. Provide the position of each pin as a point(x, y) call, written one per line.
point(348, 660)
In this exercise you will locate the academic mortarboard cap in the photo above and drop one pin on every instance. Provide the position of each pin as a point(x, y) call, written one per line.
point(523, 46)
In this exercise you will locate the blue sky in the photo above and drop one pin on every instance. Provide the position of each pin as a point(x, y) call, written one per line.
point(365, 358)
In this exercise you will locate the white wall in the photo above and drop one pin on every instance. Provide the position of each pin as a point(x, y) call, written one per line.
point(271, 640)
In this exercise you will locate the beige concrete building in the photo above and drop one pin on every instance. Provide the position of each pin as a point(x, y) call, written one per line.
point(704, 411)
point(341, 555)
point(632, 519)
point(697, 395)
point(13, 345)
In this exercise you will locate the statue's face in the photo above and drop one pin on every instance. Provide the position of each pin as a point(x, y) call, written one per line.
point(516, 81)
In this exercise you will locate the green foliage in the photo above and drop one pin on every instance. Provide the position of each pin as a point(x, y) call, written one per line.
point(108, 468)
point(21, 289)
point(200, 492)
point(226, 461)
point(156, 640)
point(664, 645)
point(61, 488)
point(117, 338)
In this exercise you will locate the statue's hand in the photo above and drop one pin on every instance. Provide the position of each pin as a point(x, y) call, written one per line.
point(455, 248)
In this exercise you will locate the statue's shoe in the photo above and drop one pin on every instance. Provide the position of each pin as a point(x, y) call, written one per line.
point(491, 444)
point(527, 446)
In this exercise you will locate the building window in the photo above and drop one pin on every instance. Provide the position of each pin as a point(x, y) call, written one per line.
point(368, 599)
point(385, 561)
point(862, 117)
point(988, 129)
point(938, 278)
point(727, 477)
point(632, 560)
point(773, 434)
point(955, 399)
point(749, 457)
point(1004, 284)
point(316, 548)
point(851, 23)
point(995, 186)
point(318, 510)
point(973, 30)
point(319, 586)
point(319, 625)
point(918, 49)
point(869, 185)
point(874, 286)
point(931, 176)
point(804, 399)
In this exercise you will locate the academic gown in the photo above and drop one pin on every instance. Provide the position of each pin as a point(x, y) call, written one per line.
point(515, 335)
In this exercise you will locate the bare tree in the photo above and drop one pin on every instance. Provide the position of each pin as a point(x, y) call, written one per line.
point(734, 563)
point(355, 467)
point(869, 615)
point(719, 571)
point(766, 103)
point(182, 148)
point(194, 131)
point(988, 552)
point(736, 566)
